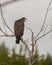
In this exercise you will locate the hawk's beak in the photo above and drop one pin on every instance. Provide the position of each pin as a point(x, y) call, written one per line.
point(26, 19)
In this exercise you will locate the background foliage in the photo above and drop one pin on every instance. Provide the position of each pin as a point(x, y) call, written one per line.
point(13, 59)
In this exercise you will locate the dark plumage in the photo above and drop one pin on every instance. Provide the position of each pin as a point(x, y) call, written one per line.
point(19, 29)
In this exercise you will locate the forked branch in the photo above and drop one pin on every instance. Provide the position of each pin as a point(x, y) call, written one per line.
point(44, 35)
point(42, 28)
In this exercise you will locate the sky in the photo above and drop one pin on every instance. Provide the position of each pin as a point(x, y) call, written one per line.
point(34, 11)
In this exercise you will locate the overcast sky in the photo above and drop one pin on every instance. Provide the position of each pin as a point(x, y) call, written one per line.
point(34, 11)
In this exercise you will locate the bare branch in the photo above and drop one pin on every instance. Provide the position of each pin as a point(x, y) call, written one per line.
point(42, 28)
point(9, 2)
point(37, 59)
point(25, 45)
point(29, 29)
point(31, 32)
point(2, 31)
point(4, 20)
point(32, 38)
point(32, 45)
point(45, 29)
point(7, 35)
point(44, 35)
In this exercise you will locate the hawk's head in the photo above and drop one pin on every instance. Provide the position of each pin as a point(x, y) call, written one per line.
point(23, 19)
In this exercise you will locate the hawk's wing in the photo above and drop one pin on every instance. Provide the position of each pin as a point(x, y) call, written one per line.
point(19, 28)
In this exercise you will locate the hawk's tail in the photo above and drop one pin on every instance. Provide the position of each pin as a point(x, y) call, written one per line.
point(17, 40)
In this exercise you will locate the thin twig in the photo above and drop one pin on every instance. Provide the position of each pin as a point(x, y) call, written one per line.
point(2, 31)
point(4, 20)
point(29, 29)
point(44, 35)
point(25, 45)
point(7, 35)
point(42, 28)
point(45, 29)
point(32, 45)
point(21, 40)
point(9, 2)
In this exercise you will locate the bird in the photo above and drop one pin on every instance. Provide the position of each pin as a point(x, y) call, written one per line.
point(19, 29)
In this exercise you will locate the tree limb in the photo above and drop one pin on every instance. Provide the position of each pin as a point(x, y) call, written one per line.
point(2, 31)
point(42, 28)
point(45, 29)
point(43, 35)
point(25, 45)
point(9, 2)
point(37, 59)
point(4, 19)
point(7, 35)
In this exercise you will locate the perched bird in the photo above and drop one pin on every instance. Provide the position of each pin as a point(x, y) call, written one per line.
point(19, 29)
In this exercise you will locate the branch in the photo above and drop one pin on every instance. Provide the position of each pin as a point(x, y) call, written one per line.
point(42, 28)
point(25, 45)
point(7, 35)
point(32, 46)
point(32, 38)
point(44, 35)
point(2, 31)
point(21, 40)
point(45, 29)
point(4, 20)
point(29, 29)
point(9, 2)
point(37, 59)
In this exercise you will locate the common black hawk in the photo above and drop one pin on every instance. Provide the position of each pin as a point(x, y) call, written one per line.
point(19, 29)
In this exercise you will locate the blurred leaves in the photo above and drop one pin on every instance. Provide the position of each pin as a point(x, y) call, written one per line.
point(20, 59)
